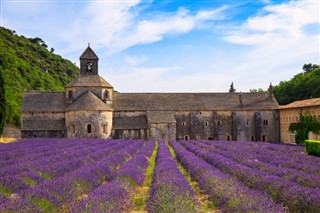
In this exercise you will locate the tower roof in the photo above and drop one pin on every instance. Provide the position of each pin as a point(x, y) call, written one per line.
point(89, 101)
point(89, 81)
point(88, 54)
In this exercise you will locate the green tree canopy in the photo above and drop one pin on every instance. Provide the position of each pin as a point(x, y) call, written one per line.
point(302, 86)
point(27, 64)
point(2, 103)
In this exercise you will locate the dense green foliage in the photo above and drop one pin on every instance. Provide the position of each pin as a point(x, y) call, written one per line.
point(302, 86)
point(308, 123)
point(27, 64)
point(2, 103)
point(313, 147)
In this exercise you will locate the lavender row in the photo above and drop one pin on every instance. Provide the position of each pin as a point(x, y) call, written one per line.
point(63, 190)
point(224, 191)
point(280, 155)
point(249, 159)
point(170, 191)
point(295, 197)
point(135, 169)
point(115, 196)
point(21, 177)
point(17, 183)
point(50, 149)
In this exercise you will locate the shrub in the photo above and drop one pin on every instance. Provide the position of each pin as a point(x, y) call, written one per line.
point(313, 147)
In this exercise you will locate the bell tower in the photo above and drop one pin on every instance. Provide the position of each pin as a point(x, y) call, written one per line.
point(89, 62)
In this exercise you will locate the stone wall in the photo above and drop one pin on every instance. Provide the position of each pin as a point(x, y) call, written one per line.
point(88, 124)
point(292, 115)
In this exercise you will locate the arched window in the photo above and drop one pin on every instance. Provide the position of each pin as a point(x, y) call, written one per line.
point(89, 128)
point(184, 123)
point(73, 128)
point(228, 138)
point(106, 95)
point(186, 137)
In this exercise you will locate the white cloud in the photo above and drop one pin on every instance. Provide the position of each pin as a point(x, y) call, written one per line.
point(279, 22)
point(277, 42)
point(135, 60)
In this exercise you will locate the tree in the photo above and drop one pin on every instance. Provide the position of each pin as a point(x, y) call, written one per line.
point(309, 67)
point(232, 89)
point(256, 90)
point(307, 123)
point(2, 103)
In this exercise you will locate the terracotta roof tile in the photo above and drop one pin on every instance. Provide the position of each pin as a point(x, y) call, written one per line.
point(303, 103)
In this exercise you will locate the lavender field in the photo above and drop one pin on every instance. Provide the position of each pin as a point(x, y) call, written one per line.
point(60, 175)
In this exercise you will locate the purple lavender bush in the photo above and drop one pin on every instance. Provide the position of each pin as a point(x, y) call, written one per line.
point(170, 191)
point(224, 191)
point(113, 196)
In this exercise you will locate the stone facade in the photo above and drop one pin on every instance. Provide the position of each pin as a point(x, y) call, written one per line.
point(291, 114)
point(89, 108)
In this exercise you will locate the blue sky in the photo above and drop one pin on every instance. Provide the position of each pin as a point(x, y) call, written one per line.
point(177, 45)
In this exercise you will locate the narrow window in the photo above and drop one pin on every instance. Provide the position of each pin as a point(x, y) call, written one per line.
point(89, 128)
point(105, 128)
point(206, 123)
point(106, 95)
point(70, 94)
point(252, 138)
point(219, 123)
point(186, 137)
point(184, 123)
point(265, 122)
point(73, 128)
point(248, 122)
point(228, 138)
point(264, 138)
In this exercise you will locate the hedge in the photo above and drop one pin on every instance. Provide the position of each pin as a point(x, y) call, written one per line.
point(313, 147)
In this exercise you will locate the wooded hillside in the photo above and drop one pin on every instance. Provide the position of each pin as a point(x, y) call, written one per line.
point(302, 86)
point(27, 64)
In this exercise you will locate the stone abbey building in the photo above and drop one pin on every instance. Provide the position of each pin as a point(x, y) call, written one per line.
point(90, 108)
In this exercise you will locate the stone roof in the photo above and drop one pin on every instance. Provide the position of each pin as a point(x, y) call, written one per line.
point(43, 125)
point(89, 81)
point(303, 103)
point(194, 101)
point(161, 117)
point(89, 54)
point(43, 101)
point(89, 101)
point(136, 122)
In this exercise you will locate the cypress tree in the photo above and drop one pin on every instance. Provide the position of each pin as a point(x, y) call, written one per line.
point(2, 103)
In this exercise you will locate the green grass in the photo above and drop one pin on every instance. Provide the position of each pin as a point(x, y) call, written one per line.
point(4, 190)
point(205, 204)
point(29, 181)
point(45, 175)
point(142, 192)
point(45, 205)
